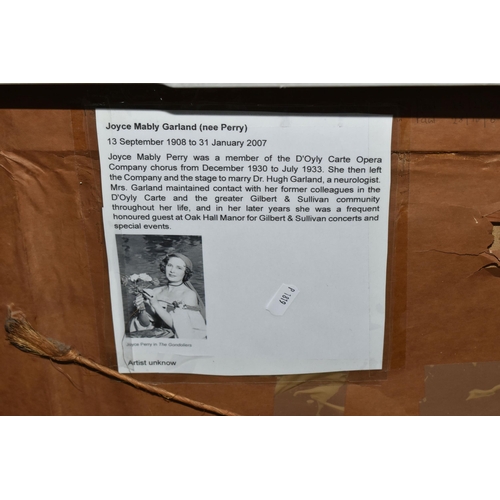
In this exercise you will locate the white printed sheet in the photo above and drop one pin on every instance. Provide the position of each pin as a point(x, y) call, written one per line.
point(246, 205)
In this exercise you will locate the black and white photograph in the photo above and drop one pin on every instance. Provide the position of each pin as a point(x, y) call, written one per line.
point(162, 286)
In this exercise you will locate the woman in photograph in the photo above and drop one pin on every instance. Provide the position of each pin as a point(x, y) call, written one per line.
point(176, 308)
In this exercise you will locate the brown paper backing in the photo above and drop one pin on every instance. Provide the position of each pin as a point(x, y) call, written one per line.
point(442, 278)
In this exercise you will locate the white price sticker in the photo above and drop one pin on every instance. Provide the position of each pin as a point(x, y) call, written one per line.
point(282, 299)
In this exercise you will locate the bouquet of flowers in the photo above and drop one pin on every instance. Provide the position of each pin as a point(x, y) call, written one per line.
point(137, 283)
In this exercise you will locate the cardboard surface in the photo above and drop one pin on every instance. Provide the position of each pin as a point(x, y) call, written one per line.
point(442, 298)
point(462, 389)
point(54, 269)
point(452, 283)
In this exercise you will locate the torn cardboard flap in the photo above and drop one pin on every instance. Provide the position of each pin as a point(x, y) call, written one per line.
point(450, 307)
point(450, 199)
